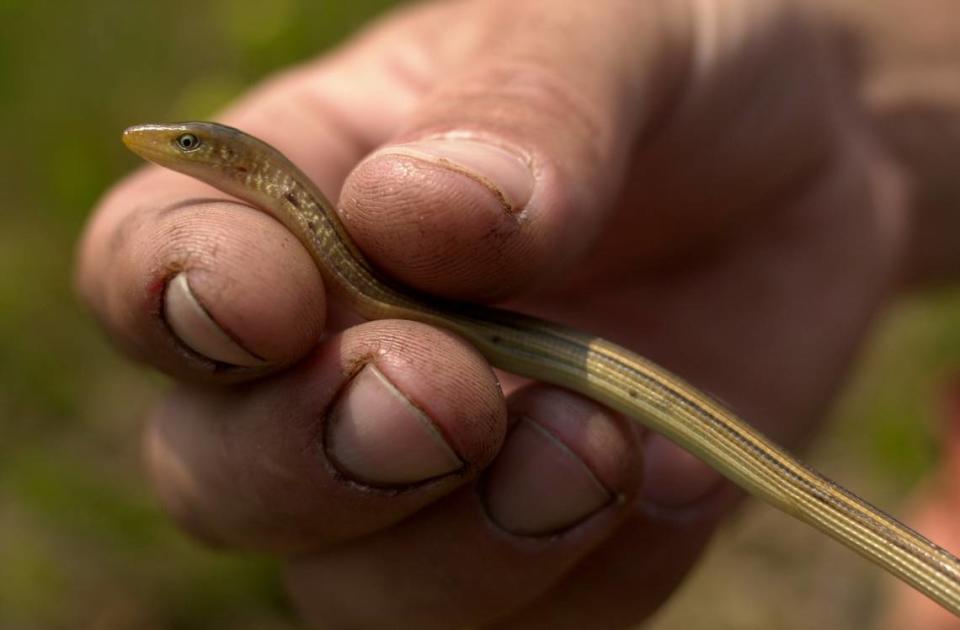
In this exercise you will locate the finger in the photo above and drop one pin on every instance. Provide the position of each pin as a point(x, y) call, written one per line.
point(200, 285)
point(562, 483)
point(505, 172)
point(383, 419)
point(195, 283)
point(626, 579)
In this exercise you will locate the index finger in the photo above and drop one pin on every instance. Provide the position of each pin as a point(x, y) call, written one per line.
point(188, 279)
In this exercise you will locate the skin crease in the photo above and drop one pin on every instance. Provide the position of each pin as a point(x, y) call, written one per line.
point(716, 202)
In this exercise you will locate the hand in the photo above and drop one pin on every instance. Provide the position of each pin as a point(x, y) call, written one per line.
point(692, 183)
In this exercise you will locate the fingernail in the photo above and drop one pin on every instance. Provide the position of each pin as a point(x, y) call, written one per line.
point(505, 174)
point(376, 435)
point(672, 476)
point(538, 486)
point(192, 324)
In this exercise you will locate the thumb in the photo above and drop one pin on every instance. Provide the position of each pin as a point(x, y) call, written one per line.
point(506, 169)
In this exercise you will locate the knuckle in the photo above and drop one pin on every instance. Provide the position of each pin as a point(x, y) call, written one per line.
point(525, 99)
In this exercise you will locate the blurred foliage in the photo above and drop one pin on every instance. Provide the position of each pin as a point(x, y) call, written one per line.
point(82, 543)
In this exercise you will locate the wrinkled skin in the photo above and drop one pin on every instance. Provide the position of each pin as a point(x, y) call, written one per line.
point(692, 180)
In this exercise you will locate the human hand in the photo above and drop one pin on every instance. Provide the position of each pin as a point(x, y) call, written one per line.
point(693, 184)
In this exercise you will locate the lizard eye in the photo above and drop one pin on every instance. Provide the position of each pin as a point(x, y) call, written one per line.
point(188, 142)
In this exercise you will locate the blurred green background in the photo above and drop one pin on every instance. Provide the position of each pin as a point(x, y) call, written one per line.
point(82, 543)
